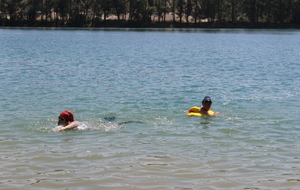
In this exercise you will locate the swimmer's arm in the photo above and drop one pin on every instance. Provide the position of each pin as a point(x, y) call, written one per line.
point(206, 113)
point(72, 125)
point(216, 113)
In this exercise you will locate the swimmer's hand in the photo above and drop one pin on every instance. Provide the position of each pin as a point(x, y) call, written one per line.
point(61, 129)
point(215, 114)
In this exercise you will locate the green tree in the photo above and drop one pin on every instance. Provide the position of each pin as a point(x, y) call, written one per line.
point(188, 10)
point(233, 7)
point(95, 11)
point(159, 9)
point(106, 6)
point(11, 8)
point(181, 4)
point(3, 9)
point(30, 9)
point(295, 18)
point(119, 8)
point(140, 11)
point(250, 10)
point(209, 9)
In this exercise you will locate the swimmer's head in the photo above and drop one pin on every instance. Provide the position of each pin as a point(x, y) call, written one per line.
point(67, 116)
point(206, 99)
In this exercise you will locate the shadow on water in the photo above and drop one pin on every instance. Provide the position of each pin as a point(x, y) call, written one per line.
point(205, 124)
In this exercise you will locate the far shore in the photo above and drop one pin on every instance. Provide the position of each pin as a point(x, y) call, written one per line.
point(136, 24)
point(113, 22)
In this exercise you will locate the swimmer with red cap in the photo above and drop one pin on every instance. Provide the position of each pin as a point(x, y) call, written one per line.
point(206, 103)
point(66, 119)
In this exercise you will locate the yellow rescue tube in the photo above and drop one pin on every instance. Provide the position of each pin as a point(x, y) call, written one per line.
point(194, 111)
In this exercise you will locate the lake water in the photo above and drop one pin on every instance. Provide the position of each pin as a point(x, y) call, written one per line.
point(152, 77)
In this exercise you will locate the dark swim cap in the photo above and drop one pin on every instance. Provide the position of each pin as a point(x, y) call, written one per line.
point(206, 99)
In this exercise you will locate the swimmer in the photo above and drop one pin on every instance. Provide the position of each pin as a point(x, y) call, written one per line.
point(206, 103)
point(66, 119)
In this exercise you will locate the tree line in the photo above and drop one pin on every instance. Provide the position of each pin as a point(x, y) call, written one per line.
point(94, 12)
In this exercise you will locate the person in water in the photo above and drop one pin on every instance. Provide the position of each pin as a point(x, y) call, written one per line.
point(66, 119)
point(206, 104)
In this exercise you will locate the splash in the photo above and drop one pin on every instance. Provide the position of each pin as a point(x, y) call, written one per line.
point(102, 126)
point(108, 126)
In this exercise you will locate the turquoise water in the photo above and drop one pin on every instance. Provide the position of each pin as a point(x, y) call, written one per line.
point(152, 76)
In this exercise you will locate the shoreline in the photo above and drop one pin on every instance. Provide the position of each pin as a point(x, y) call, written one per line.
point(154, 24)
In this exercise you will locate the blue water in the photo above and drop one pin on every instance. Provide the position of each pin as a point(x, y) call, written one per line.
point(153, 77)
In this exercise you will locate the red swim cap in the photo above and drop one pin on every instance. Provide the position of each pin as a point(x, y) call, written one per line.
point(67, 115)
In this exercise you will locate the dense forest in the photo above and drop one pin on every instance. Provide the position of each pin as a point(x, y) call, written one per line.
point(148, 13)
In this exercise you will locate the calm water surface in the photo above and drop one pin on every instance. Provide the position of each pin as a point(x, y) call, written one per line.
point(154, 77)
